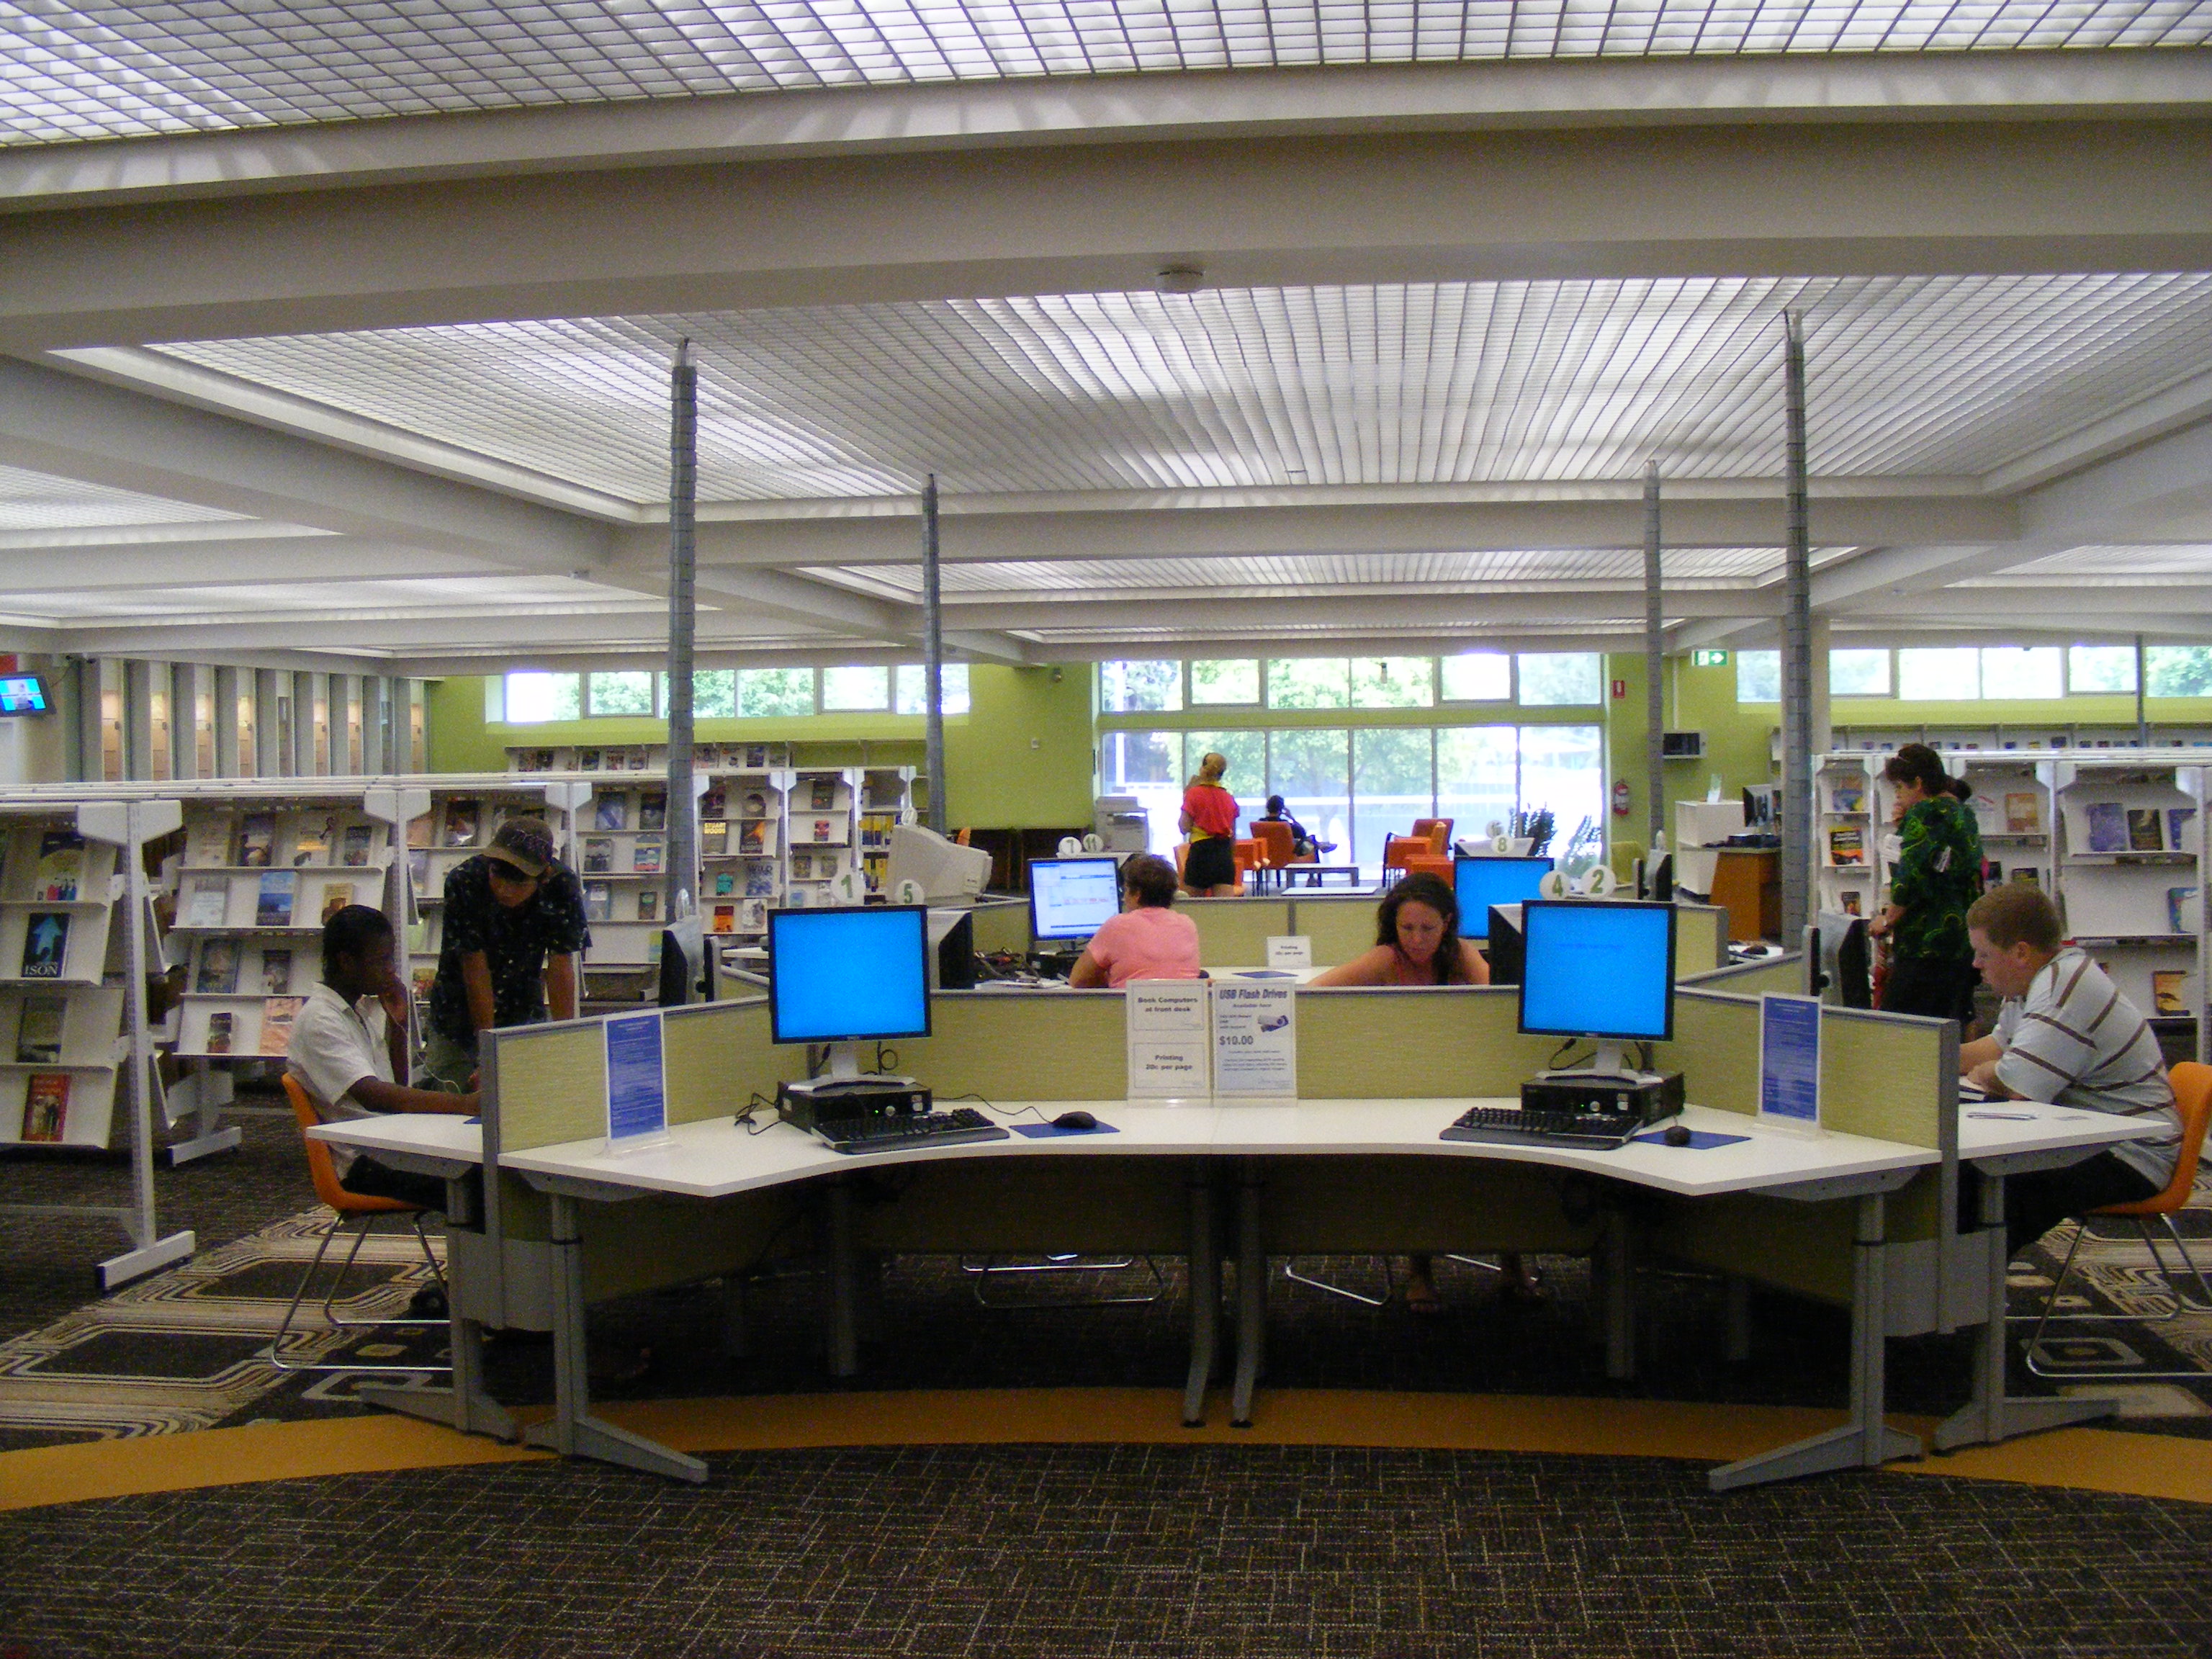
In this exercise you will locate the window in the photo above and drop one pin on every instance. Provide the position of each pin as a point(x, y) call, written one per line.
point(714, 693)
point(1759, 677)
point(1857, 673)
point(1393, 681)
point(1147, 765)
point(1309, 682)
point(2037, 671)
point(1246, 776)
point(533, 697)
point(913, 687)
point(1311, 770)
point(768, 691)
point(846, 689)
point(1477, 777)
point(1478, 677)
point(1555, 678)
point(2101, 668)
point(619, 691)
point(1231, 682)
point(1129, 688)
point(2178, 671)
point(1394, 781)
point(1563, 767)
point(1939, 673)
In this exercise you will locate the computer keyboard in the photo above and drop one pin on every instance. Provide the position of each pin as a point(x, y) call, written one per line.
point(896, 1132)
point(1510, 1125)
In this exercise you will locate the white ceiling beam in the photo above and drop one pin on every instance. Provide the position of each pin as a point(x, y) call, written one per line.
point(1064, 110)
point(2182, 404)
point(1351, 612)
point(1840, 199)
point(1215, 641)
point(63, 424)
point(2158, 492)
point(94, 540)
point(335, 562)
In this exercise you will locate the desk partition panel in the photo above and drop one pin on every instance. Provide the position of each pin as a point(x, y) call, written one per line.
point(1701, 939)
point(1002, 925)
point(1414, 1044)
point(1022, 1045)
point(1234, 932)
point(1340, 928)
point(552, 1083)
point(1782, 973)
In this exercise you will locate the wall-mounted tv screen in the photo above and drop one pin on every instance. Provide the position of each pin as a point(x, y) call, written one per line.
point(22, 694)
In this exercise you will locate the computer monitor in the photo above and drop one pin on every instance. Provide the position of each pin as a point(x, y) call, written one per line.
point(22, 694)
point(1759, 800)
point(1600, 968)
point(1481, 883)
point(951, 949)
point(943, 869)
point(1840, 957)
point(1502, 948)
point(1073, 898)
point(848, 975)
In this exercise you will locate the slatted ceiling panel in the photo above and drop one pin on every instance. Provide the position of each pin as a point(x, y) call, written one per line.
point(342, 600)
point(2103, 564)
point(102, 69)
point(37, 501)
point(1221, 636)
point(1413, 385)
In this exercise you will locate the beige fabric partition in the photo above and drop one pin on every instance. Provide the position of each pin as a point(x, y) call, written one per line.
point(1234, 932)
point(1340, 928)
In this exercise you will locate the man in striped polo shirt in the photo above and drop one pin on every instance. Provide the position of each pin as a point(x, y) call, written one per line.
point(2067, 1036)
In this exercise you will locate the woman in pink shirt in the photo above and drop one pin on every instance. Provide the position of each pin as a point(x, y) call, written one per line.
point(1149, 940)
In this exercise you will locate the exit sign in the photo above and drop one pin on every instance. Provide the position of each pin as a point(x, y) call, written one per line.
point(1709, 659)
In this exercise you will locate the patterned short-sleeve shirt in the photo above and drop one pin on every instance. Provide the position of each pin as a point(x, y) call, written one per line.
point(1938, 875)
point(515, 943)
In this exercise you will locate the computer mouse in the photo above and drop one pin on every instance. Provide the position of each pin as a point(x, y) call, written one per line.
point(1677, 1135)
point(1075, 1121)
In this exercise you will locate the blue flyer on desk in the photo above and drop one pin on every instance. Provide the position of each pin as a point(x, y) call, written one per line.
point(1790, 1061)
point(637, 1097)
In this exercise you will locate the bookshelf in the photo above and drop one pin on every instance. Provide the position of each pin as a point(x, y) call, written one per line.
point(1847, 850)
point(742, 835)
point(887, 800)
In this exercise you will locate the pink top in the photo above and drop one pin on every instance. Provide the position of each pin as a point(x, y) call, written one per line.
point(1150, 942)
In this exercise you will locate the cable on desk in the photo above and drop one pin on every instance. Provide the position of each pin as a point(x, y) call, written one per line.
point(993, 1108)
point(744, 1118)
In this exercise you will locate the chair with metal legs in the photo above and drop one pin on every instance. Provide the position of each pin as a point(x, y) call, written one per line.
point(359, 1213)
point(2193, 1093)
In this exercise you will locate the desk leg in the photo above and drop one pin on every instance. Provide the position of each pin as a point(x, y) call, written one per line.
point(573, 1431)
point(463, 1404)
point(1865, 1442)
point(844, 1315)
point(1251, 1294)
point(1205, 1298)
point(1992, 1415)
point(1619, 1298)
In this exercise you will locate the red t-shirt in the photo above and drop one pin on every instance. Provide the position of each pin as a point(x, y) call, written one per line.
point(1212, 811)
point(1150, 942)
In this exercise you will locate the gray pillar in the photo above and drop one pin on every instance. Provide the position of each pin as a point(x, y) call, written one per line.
point(682, 616)
point(2142, 690)
point(1796, 827)
point(1654, 716)
point(226, 762)
point(933, 658)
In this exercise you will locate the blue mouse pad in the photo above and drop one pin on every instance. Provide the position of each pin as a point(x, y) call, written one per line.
point(1699, 1141)
point(1046, 1131)
point(1266, 973)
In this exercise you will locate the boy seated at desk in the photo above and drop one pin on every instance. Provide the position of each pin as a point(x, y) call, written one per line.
point(2066, 1037)
point(349, 1041)
point(1149, 940)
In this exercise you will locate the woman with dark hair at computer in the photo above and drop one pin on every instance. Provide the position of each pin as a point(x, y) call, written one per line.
point(1938, 874)
point(1149, 940)
point(1209, 818)
point(1417, 941)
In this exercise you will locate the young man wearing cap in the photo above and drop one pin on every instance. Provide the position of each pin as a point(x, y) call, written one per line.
point(513, 922)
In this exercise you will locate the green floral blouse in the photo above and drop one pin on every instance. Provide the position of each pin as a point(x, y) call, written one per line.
point(1938, 874)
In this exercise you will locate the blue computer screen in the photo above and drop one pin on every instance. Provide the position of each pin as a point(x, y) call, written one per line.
point(1073, 898)
point(1481, 883)
point(1597, 967)
point(835, 975)
point(22, 694)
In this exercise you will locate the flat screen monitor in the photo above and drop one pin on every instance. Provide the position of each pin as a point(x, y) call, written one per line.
point(1501, 948)
point(1841, 960)
point(848, 975)
point(22, 694)
point(1073, 898)
point(953, 950)
point(1600, 969)
point(1481, 883)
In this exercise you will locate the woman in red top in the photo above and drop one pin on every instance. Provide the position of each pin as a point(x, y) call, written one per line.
point(1209, 818)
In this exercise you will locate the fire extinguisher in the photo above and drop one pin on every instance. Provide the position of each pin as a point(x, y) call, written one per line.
point(1620, 799)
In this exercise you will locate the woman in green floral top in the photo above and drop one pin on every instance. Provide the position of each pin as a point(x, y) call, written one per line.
point(1937, 875)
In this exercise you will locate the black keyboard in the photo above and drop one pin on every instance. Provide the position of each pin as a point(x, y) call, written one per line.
point(897, 1131)
point(1511, 1127)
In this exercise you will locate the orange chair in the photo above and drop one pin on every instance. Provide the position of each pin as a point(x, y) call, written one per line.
point(1248, 856)
point(355, 1209)
point(1398, 850)
point(1438, 831)
point(1438, 864)
point(2193, 1093)
point(1274, 842)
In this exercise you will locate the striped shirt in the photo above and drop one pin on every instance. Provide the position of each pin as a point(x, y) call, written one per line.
point(2074, 1040)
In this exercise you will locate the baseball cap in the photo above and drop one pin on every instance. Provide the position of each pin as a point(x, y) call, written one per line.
point(525, 843)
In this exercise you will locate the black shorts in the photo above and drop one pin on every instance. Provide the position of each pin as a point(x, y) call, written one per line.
point(1210, 863)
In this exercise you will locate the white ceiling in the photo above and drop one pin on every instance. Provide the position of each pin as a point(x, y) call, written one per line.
point(95, 69)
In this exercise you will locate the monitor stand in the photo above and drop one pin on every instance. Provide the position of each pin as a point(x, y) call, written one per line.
point(845, 1077)
point(1609, 1064)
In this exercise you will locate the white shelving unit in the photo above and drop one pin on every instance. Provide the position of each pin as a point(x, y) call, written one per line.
point(741, 841)
point(886, 801)
point(821, 833)
point(2015, 812)
point(1844, 874)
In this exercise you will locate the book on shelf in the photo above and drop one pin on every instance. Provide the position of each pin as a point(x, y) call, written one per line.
point(206, 840)
point(1850, 902)
point(257, 840)
point(599, 901)
point(652, 811)
point(823, 829)
point(752, 836)
point(1846, 846)
point(218, 969)
point(353, 848)
point(756, 805)
point(598, 855)
point(418, 831)
point(423, 978)
point(2108, 826)
point(2023, 812)
point(640, 759)
point(756, 757)
point(752, 916)
point(823, 794)
point(648, 904)
point(645, 856)
point(275, 972)
point(2026, 876)
point(802, 866)
point(277, 1014)
point(587, 760)
point(724, 918)
point(207, 903)
point(1992, 873)
point(610, 813)
point(714, 838)
point(221, 1026)
point(1848, 794)
point(2183, 912)
point(316, 837)
point(2168, 992)
point(272, 905)
point(463, 819)
point(2146, 832)
point(713, 803)
point(336, 895)
point(2179, 826)
point(536, 760)
point(60, 874)
point(759, 881)
point(725, 883)
point(38, 1030)
point(46, 943)
point(418, 869)
point(45, 1106)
